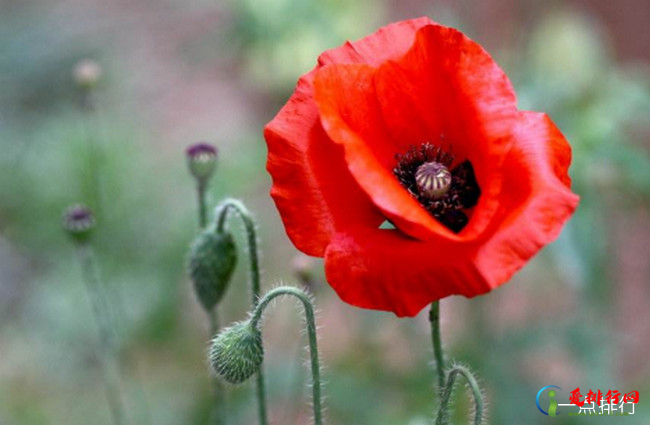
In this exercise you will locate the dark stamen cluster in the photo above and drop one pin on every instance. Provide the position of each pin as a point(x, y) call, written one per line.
point(463, 193)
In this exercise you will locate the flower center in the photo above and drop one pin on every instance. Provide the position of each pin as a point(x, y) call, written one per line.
point(433, 180)
point(446, 193)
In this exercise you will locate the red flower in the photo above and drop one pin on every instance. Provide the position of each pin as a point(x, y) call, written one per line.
point(346, 154)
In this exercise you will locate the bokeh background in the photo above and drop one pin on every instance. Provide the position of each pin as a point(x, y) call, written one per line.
point(176, 72)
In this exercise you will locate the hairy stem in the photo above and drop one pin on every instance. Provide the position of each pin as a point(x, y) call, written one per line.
point(219, 405)
point(251, 239)
point(443, 411)
point(311, 334)
point(255, 285)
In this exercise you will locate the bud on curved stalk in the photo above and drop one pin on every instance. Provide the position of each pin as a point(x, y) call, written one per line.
point(310, 320)
point(222, 213)
point(212, 261)
point(237, 353)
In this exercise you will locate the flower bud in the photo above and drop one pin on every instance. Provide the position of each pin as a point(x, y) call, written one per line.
point(303, 269)
point(87, 73)
point(212, 261)
point(202, 161)
point(78, 221)
point(237, 353)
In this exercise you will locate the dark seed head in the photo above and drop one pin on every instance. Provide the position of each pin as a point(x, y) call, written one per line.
point(78, 221)
point(433, 180)
point(446, 193)
point(202, 160)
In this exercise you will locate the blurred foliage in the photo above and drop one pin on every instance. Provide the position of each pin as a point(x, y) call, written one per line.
point(48, 368)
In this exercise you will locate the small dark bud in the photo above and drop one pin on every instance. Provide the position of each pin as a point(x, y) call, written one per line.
point(202, 161)
point(87, 73)
point(303, 269)
point(212, 261)
point(237, 353)
point(78, 221)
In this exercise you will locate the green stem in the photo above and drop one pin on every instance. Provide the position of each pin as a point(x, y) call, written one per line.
point(251, 238)
point(443, 412)
point(107, 351)
point(255, 285)
point(201, 188)
point(95, 163)
point(434, 319)
point(311, 334)
point(219, 404)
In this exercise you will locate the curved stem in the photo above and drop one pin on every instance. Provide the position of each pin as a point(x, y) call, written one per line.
point(434, 319)
point(443, 412)
point(107, 351)
point(311, 333)
point(255, 287)
point(251, 238)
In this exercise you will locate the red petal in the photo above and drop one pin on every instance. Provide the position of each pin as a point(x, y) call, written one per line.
point(446, 85)
point(351, 115)
point(385, 270)
point(389, 42)
point(536, 199)
point(448, 90)
point(312, 188)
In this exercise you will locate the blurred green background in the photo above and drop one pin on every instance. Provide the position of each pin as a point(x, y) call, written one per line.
point(176, 72)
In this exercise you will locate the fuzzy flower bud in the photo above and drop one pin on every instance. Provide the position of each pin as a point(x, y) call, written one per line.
point(237, 353)
point(87, 73)
point(78, 222)
point(202, 161)
point(212, 261)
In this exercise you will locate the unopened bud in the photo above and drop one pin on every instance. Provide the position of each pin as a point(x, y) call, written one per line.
point(212, 261)
point(87, 73)
point(237, 353)
point(303, 269)
point(202, 161)
point(78, 221)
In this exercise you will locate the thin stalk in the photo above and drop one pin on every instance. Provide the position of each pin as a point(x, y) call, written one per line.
point(311, 334)
point(434, 319)
point(255, 285)
point(201, 188)
point(107, 352)
point(219, 404)
point(95, 165)
point(443, 412)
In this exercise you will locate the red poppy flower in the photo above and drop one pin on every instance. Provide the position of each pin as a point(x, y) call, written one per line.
point(416, 126)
